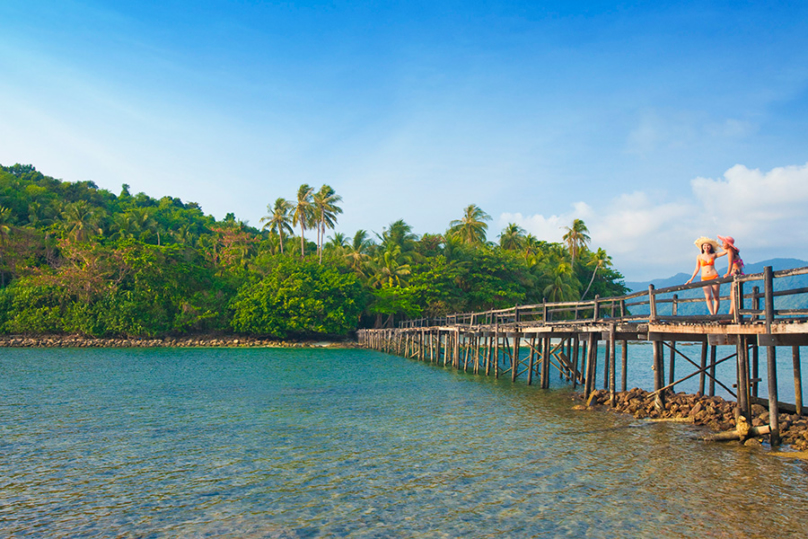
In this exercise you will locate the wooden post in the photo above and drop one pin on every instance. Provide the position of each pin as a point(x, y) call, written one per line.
point(755, 368)
point(592, 364)
point(607, 360)
point(703, 365)
point(743, 376)
point(545, 362)
point(795, 358)
point(652, 317)
point(515, 357)
point(659, 374)
point(596, 309)
point(713, 357)
point(671, 363)
point(624, 365)
point(496, 351)
point(771, 356)
point(612, 377)
point(488, 353)
point(476, 354)
point(574, 357)
point(531, 360)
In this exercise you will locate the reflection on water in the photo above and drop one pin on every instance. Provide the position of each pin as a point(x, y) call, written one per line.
point(343, 443)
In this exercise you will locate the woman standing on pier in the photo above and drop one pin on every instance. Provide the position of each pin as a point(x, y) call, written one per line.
point(734, 267)
point(706, 262)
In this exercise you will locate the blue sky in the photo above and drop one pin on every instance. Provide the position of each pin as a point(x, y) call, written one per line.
point(655, 122)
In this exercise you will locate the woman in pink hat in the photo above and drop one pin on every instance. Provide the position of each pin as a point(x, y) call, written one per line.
point(706, 263)
point(735, 264)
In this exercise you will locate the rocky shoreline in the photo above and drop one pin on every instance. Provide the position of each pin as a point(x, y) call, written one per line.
point(198, 341)
point(714, 413)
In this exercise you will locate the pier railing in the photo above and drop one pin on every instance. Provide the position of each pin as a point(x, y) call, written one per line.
point(652, 305)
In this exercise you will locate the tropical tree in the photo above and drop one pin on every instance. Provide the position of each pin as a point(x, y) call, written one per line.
point(512, 237)
point(532, 247)
point(325, 208)
point(561, 287)
point(302, 214)
point(399, 233)
point(471, 228)
point(357, 252)
point(388, 269)
point(81, 220)
point(576, 237)
point(278, 219)
point(601, 260)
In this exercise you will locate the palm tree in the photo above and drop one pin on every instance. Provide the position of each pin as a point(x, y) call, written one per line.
point(387, 268)
point(81, 220)
point(302, 214)
point(532, 246)
point(124, 225)
point(601, 260)
point(576, 237)
point(338, 241)
point(560, 287)
point(325, 211)
point(399, 233)
point(144, 223)
point(357, 252)
point(278, 219)
point(471, 228)
point(512, 237)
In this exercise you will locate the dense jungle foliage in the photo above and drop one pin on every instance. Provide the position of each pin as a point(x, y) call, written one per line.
point(78, 259)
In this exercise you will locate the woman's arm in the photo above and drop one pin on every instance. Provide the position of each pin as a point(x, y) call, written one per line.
point(695, 271)
point(730, 262)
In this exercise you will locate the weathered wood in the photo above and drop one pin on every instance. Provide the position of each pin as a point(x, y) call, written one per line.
point(612, 377)
point(771, 356)
point(735, 435)
point(624, 365)
point(703, 367)
point(515, 357)
point(795, 358)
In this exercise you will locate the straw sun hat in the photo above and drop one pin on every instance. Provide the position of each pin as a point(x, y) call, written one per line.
point(704, 239)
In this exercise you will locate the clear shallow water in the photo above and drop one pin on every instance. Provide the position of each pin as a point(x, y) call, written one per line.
point(345, 443)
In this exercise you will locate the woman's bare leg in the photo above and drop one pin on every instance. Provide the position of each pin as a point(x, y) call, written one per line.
point(708, 298)
point(716, 297)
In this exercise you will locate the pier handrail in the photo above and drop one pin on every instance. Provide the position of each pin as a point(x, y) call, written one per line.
point(604, 309)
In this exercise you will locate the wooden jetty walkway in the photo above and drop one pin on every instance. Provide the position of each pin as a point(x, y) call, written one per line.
point(529, 340)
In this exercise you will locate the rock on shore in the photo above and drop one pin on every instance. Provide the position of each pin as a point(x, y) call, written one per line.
point(712, 412)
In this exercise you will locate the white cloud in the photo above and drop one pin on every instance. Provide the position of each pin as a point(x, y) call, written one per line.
point(651, 237)
point(547, 228)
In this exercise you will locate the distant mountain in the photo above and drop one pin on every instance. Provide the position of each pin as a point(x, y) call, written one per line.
point(681, 278)
point(787, 302)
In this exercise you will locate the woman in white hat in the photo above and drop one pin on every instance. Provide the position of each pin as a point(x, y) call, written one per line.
point(706, 263)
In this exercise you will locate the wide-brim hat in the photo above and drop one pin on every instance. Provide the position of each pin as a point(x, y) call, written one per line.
point(727, 239)
point(704, 239)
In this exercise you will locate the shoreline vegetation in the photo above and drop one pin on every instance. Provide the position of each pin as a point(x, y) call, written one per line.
point(195, 341)
point(77, 259)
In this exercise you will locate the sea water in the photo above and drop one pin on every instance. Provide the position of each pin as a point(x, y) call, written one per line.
point(253, 443)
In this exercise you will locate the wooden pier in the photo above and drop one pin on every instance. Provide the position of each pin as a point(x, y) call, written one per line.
point(528, 341)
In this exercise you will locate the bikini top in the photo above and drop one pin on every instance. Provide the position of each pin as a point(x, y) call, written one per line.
point(703, 263)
